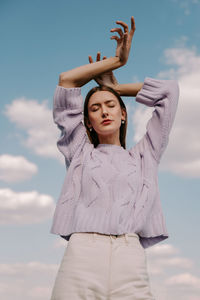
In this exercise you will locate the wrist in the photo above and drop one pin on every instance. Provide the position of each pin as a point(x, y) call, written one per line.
point(129, 89)
point(117, 88)
point(119, 62)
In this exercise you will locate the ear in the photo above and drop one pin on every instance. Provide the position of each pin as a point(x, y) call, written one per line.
point(123, 114)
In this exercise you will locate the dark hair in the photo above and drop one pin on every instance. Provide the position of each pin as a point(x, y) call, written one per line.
point(93, 136)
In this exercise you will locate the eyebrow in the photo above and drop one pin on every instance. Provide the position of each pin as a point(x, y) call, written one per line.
point(104, 101)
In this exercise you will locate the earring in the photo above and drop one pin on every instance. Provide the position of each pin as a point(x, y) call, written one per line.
point(123, 121)
point(91, 129)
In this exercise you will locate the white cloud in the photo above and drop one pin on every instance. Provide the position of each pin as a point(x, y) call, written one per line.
point(24, 207)
point(32, 280)
point(164, 261)
point(162, 250)
point(186, 63)
point(26, 268)
point(184, 279)
point(139, 119)
point(36, 120)
point(16, 168)
point(180, 262)
point(166, 256)
point(181, 156)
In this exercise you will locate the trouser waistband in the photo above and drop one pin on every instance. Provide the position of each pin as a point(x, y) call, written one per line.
point(98, 236)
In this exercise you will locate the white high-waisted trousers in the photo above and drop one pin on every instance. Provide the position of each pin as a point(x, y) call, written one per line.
point(103, 267)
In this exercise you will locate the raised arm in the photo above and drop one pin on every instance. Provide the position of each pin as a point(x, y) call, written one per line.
point(163, 95)
point(68, 101)
point(81, 75)
point(107, 78)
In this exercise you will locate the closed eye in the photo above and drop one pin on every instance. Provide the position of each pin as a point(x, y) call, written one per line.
point(108, 106)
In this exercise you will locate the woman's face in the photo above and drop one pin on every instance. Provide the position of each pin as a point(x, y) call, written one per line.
point(105, 105)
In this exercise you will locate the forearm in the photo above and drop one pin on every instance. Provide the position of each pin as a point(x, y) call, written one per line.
point(129, 89)
point(81, 75)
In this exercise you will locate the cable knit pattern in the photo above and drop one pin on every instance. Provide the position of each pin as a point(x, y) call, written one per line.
point(109, 189)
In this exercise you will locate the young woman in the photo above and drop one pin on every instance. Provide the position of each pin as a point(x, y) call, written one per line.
point(109, 209)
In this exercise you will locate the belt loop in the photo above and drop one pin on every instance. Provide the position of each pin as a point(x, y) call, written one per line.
point(94, 236)
point(111, 238)
point(126, 238)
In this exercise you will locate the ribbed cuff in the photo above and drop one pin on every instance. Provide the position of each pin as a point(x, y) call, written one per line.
point(68, 97)
point(151, 91)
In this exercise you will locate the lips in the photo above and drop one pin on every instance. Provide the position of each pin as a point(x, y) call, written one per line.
point(106, 121)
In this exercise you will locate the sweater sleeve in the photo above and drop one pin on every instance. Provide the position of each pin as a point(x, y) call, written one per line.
point(68, 115)
point(163, 95)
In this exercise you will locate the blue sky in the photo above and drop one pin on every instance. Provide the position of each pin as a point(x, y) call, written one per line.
point(41, 39)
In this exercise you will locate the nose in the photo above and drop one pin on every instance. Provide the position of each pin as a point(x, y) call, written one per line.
point(104, 112)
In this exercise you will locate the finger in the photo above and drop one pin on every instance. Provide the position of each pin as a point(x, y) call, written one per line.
point(132, 25)
point(90, 59)
point(125, 38)
point(98, 56)
point(125, 26)
point(119, 30)
point(115, 37)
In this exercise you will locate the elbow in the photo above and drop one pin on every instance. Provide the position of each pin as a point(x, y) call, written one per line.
point(173, 88)
point(66, 81)
point(64, 76)
point(174, 84)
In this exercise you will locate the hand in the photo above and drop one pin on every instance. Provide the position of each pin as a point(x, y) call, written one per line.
point(124, 41)
point(106, 78)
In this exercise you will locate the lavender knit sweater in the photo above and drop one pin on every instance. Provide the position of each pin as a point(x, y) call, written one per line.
point(109, 189)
